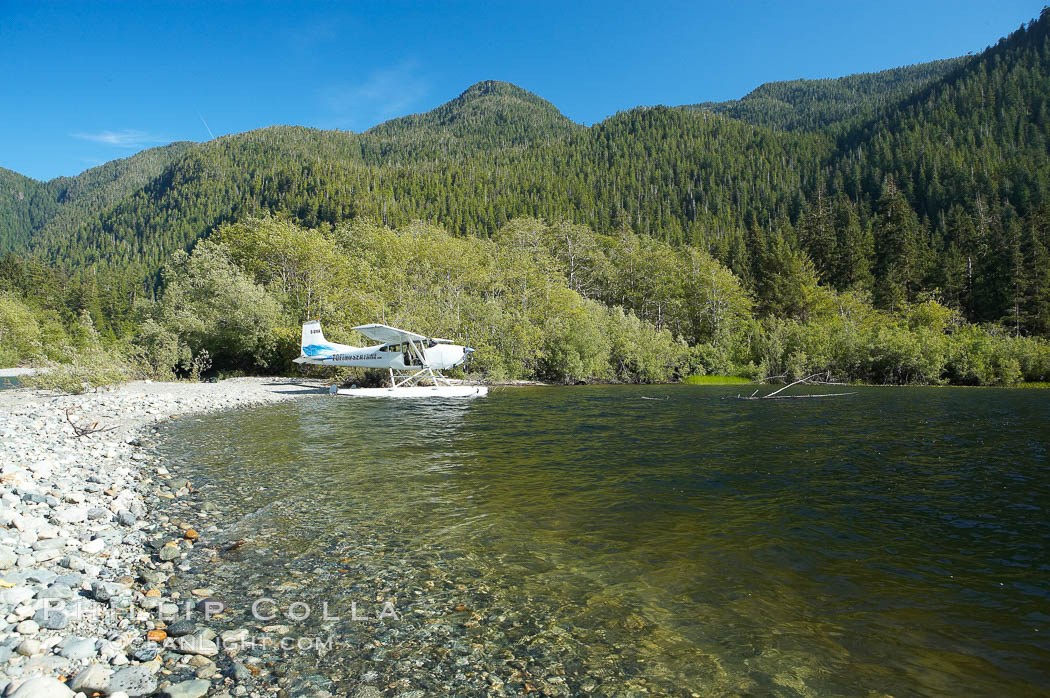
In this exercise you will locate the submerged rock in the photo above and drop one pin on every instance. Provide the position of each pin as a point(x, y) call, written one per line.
point(187, 689)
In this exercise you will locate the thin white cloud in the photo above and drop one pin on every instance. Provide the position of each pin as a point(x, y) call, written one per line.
point(128, 138)
point(384, 94)
point(309, 35)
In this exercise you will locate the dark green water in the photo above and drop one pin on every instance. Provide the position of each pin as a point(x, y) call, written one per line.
point(632, 540)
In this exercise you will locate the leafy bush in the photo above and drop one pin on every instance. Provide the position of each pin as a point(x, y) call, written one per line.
point(19, 331)
point(209, 304)
point(92, 365)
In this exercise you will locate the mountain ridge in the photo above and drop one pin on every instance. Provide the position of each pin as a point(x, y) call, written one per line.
point(808, 104)
point(695, 175)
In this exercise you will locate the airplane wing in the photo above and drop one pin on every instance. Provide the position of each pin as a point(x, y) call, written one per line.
point(387, 334)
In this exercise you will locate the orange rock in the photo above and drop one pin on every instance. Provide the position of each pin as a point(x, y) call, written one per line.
point(461, 607)
point(153, 592)
point(191, 534)
point(156, 635)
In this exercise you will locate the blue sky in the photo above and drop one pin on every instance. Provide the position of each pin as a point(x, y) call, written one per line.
point(88, 82)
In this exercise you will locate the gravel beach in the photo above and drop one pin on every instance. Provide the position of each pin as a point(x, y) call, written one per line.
point(86, 552)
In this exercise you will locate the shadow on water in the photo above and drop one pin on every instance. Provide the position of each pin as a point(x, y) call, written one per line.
point(893, 542)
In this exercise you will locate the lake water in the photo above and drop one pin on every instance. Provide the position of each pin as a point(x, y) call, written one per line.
point(663, 540)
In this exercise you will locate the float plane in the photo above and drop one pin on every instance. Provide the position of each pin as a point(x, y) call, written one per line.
point(409, 357)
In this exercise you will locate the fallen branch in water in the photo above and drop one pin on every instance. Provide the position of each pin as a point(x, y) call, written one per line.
point(808, 380)
point(793, 397)
point(81, 431)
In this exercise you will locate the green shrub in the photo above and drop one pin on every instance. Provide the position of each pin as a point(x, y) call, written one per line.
point(20, 336)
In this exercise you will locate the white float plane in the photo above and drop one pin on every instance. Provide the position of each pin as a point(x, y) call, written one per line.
point(409, 357)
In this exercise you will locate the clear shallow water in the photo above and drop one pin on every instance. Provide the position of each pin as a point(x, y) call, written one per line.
point(620, 540)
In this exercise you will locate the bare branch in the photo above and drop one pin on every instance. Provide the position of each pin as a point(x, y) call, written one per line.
point(82, 431)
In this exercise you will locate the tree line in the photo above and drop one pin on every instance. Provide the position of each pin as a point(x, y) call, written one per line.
point(541, 300)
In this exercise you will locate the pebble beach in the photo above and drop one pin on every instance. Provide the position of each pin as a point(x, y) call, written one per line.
point(87, 554)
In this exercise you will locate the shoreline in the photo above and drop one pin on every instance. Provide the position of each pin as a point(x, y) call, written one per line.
point(82, 564)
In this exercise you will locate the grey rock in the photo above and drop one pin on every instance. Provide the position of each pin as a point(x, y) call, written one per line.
point(151, 602)
point(92, 679)
point(97, 513)
point(41, 687)
point(79, 648)
point(51, 618)
point(133, 680)
point(368, 692)
point(187, 689)
point(181, 627)
point(50, 544)
point(16, 595)
point(233, 637)
point(240, 673)
point(41, 576)
point(46, 555)
point(27, 627)
point(145, 654)
point(73, 580)
point(120, 602)
point(169, 553)
point(28, 647)
point(104, 591)
point(74, 562)
point(56, 591)
point(71, 515)
point(7, 557)
point(196, 644)
point(211, 606)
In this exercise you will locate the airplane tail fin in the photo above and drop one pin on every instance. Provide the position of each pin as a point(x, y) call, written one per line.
point(312, 333)
point(313, 341)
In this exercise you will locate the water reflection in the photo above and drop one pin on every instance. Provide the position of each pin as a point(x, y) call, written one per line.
point(891, 543)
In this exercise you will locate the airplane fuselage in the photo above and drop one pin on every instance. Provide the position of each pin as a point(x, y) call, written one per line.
point(399, 357)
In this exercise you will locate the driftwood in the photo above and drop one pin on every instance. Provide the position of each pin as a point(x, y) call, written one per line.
point(81, 430)
point(230, 547)
point(808, 380)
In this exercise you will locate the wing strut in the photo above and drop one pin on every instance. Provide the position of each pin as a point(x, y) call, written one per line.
point(398, 380)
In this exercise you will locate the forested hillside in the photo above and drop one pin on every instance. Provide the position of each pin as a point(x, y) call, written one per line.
point(809, 105)
point(33, 212)
point(25, 206)
point(923, 184)
point(488, 116)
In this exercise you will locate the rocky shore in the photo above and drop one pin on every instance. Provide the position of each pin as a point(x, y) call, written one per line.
point(86, 552)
